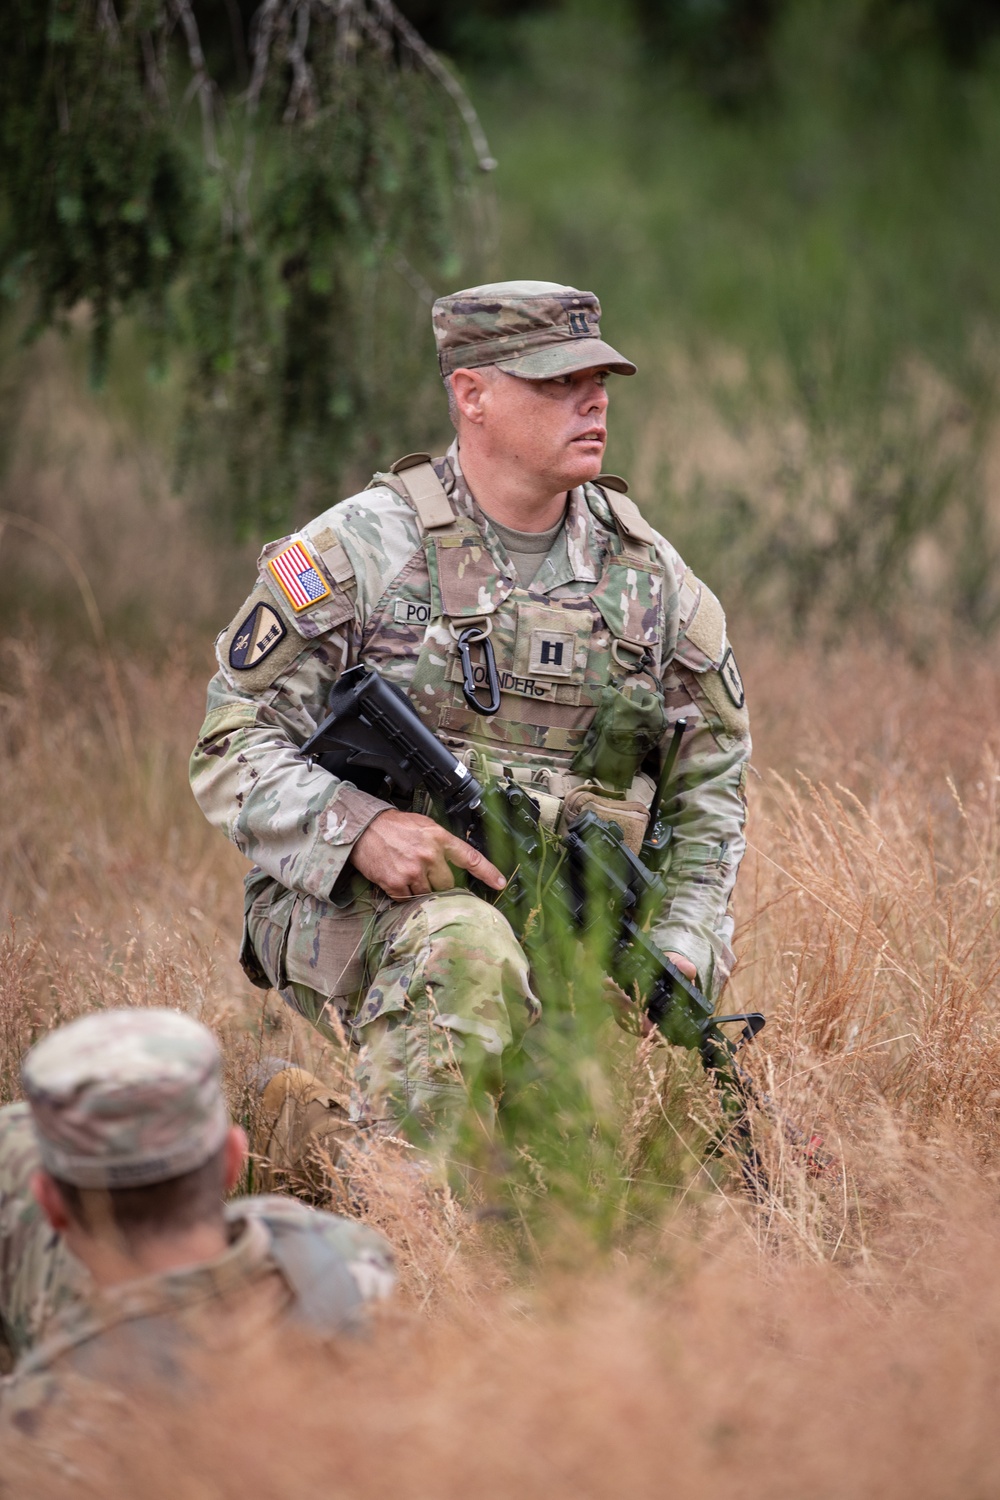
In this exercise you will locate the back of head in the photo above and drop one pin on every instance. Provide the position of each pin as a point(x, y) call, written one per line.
point(126, 1098)
point(130, 1119)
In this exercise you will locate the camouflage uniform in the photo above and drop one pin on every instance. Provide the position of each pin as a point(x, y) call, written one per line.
point(118, 1099)
point(432, 988)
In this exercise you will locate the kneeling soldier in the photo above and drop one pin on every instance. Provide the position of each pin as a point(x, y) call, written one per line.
point(541, 628)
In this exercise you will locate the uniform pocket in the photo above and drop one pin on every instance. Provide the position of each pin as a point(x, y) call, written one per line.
point(267, 913)
point(326, 946)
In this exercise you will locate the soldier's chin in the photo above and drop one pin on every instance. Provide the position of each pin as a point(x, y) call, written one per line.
point(585, 461)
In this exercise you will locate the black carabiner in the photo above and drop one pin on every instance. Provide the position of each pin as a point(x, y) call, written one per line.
point(468, 639)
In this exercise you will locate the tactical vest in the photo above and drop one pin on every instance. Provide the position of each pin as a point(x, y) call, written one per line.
point(559, 663)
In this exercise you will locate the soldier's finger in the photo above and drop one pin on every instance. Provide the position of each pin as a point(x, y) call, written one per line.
point(439, 875)
point(466, 858)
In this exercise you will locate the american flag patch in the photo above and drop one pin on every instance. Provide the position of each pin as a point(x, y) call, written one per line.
point(297, 574)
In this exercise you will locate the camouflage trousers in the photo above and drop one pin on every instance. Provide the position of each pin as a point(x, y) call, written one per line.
point(429, 994)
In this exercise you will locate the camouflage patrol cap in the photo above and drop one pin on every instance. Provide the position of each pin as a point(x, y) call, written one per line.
point(125, 1098)
point(534, 329)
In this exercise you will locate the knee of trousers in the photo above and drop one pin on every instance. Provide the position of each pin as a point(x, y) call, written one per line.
point(455, 955)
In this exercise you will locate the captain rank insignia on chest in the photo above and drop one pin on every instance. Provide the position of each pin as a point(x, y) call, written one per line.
point(551, 653)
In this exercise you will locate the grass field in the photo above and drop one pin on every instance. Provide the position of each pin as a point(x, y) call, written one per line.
point(841, 1339)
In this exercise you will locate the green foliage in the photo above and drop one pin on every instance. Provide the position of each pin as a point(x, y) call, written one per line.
point(726, 48)
point(809, 284)
point(477, 31)
point(596, 1133)
point(809, 290)
point(97, 201)
point(251, 251)
point(721, 45)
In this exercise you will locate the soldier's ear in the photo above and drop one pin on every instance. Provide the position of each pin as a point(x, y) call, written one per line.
point(46, 1194)
point(468, 388)
point(235, 1149)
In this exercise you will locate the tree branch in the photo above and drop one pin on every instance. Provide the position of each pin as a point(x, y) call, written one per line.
point(436, 67)
point(302, 95)
point(201, 82)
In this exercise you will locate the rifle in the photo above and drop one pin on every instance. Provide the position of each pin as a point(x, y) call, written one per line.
point(590, 878)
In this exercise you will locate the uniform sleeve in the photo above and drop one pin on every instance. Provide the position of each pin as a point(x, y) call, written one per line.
point(706, 796)
point(298, 823)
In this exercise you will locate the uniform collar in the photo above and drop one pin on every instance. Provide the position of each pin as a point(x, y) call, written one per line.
point(575, 554)
point(102, 1308)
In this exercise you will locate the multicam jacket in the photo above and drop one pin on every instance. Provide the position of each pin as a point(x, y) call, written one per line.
point(389, 581)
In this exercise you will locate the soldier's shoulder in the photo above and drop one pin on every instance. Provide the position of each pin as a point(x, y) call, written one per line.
point(365, 1254)
point(316, 580)
point(17, 1136)
point(703, 648)
point(378, 505)
point(377, 532)
point(48, 1423)
point(599, 505)
point(15, 1122)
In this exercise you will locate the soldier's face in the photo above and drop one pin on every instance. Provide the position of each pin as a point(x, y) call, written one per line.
point(555, 430)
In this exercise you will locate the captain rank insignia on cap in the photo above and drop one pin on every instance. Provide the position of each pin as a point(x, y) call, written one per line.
point(731, 679)
point(298, 577)
point(256, 638)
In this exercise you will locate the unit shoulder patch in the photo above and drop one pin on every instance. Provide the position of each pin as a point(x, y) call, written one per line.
point(732, 718)
point(257, 647)
point(261, 632)
point(732, 681)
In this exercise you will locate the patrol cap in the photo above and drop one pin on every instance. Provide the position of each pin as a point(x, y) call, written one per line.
point(126, 1098)
point(534, 329)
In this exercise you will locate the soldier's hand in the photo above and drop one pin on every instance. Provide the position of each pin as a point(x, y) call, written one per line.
point(627, 1012)
point(408, 855)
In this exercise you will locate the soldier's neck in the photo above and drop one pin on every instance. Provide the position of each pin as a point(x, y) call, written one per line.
point(112, 1264)
point(508, 495)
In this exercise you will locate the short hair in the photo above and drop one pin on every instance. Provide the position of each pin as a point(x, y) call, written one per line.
point(160, 1209)
point(452, 403)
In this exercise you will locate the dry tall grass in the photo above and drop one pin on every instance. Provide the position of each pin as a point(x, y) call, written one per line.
point(842, 1339)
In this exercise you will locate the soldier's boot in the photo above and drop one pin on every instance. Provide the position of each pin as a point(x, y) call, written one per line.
point(303, 1138)
point(306, 1144)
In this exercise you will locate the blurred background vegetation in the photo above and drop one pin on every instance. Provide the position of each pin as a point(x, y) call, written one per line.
point(788, 208)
